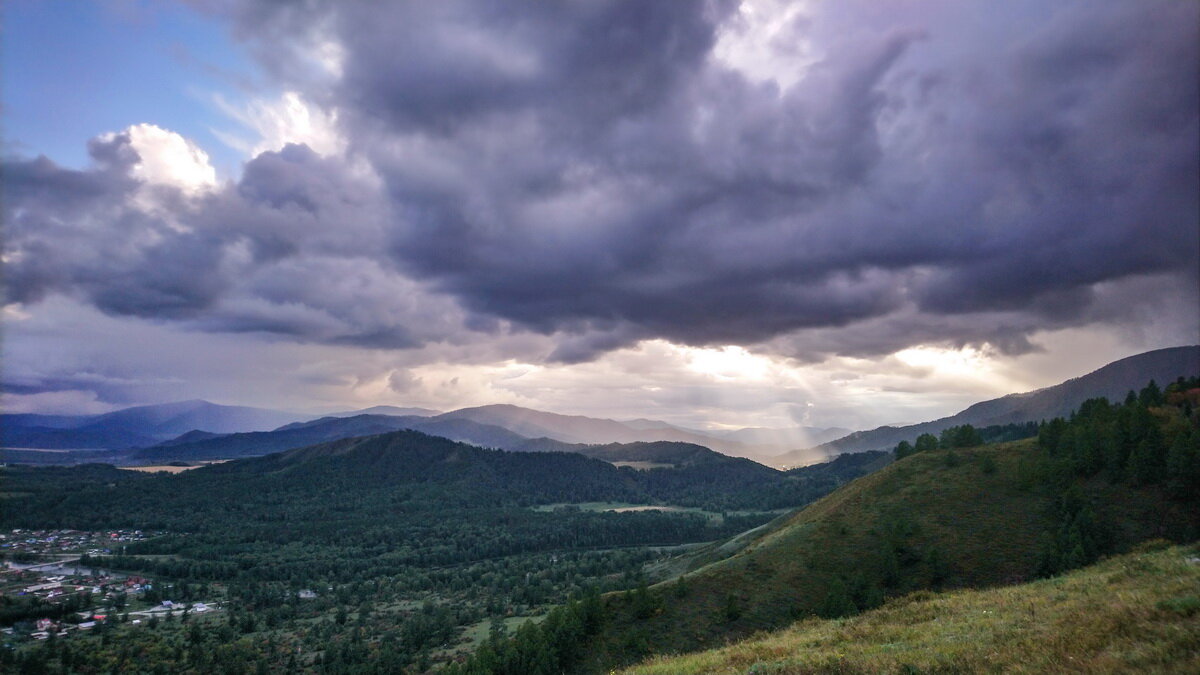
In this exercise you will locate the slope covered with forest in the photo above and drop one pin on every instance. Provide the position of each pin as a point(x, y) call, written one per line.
point(423, 541)
point(943, 518)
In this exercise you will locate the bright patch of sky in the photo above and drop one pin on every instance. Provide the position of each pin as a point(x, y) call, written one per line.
point(761, 42)
point(273, 123)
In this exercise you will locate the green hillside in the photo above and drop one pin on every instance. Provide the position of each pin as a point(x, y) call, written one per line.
point(940, 519)
point(943, 519)
point(1133, 613)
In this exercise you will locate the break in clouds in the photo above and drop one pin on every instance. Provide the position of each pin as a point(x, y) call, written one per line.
point(872, 177)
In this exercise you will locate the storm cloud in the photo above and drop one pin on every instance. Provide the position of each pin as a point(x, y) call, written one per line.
point(601, 173)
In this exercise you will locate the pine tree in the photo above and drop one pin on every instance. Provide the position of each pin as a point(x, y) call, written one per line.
point(838, 602)
point(926, 442)
point(1183, 466)
point(1151, 396)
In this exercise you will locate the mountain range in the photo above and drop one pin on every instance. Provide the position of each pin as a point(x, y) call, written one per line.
point(199, 430)
point(139, 426)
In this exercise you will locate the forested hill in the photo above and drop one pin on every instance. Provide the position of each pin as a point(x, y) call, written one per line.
point(643, 454)
point(1112, 381)
point(201, 446)
point(415, 539)
point(326, 429)
point(1109, 477)
point(664, 452)
point(397, 468)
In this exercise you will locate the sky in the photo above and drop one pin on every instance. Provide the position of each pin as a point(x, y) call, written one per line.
point(719, 214)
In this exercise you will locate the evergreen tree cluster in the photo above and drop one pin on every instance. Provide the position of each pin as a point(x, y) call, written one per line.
point(550, 647)
point(963, 436)
point(1152, 438)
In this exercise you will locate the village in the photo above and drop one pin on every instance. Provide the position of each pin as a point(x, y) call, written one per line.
point(45, 591)
point(19, 544)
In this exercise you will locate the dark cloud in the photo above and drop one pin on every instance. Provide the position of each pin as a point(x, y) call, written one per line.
point(593, 171)
point(290, 250)
point(451, 63)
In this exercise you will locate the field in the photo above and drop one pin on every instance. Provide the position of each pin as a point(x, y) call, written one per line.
point(160, 468)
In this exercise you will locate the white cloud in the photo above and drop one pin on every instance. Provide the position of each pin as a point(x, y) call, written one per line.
point(167, 158)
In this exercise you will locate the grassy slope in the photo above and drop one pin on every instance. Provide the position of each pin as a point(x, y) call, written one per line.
point(1138, 612)
point(985, 527)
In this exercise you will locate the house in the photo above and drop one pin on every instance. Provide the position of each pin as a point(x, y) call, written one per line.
point(306, 594)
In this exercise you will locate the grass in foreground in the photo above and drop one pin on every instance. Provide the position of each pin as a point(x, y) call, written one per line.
point(1138, 612)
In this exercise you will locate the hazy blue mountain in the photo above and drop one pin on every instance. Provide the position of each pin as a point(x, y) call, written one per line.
point(1113, 381)
point(137, 426)
point(579, 429)
point(17, 436)
point(172, 419)
point(387, 410)
point(643, 424)
point(46, 421)
point(534, 423)
point(193, 436)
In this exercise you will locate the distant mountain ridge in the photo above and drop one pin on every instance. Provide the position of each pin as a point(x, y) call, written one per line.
point(568, 428)
point(138, 426)
point(1112, 381)
point(507, 426)
point(323, 430)
point(515, 428)
point(388, 410)
point(199, 446)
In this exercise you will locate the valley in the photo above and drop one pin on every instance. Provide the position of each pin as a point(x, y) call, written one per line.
point(587, 337)
point(402, 551)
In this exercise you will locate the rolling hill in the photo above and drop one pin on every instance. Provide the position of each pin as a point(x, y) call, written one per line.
point(301, 434)
point(680, 473)
point(412, 466)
